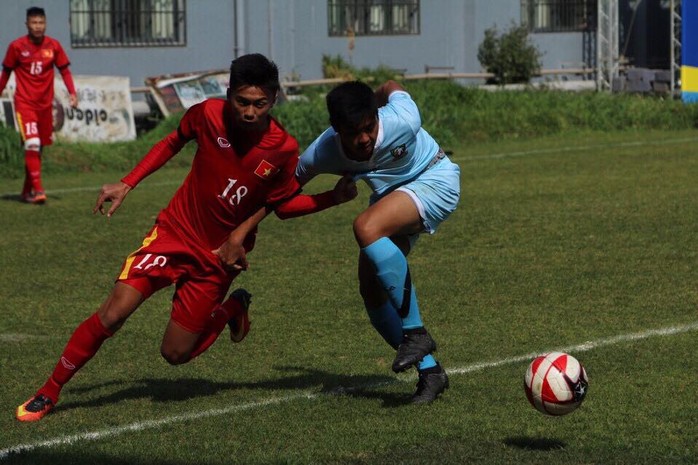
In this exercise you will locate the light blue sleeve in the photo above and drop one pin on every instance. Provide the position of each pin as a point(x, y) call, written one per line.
point(401, 103)
point(318, 158)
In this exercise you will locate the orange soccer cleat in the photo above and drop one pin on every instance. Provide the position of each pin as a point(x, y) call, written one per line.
point(37, 198)
point(35, 408)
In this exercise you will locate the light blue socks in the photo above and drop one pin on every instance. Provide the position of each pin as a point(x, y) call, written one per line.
point(394, 274)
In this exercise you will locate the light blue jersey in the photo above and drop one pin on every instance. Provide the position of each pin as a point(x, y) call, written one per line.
point(405, 156)
point(403, 150)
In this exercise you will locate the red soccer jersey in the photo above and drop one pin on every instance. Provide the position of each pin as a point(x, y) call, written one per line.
point(224, 188)
point(33, 66)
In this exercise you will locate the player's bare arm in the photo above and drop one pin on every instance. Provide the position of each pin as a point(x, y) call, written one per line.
point(345, 189)
point(232, 252)
point(114, 193)
point(384, 91)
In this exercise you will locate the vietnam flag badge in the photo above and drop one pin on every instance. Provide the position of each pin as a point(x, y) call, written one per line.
point(266, 170)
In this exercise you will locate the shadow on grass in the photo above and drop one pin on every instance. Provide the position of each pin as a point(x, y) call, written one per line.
point(41, 457)
point(175, 390)
point(18, 198)
point(529, 443)
point(11, 198)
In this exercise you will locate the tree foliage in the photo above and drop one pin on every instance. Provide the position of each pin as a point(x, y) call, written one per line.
point(510, 56)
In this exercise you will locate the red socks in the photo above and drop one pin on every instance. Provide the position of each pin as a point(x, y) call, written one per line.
point(219, 319)
point(91, 333)
point(82, 346)
point(32, 162)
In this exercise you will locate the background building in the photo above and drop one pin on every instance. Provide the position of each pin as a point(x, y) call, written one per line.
point(142, 38)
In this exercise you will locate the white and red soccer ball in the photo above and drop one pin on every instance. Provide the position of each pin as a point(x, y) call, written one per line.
point(556, 383)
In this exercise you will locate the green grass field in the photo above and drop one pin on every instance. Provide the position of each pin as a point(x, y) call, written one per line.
point(585, 243)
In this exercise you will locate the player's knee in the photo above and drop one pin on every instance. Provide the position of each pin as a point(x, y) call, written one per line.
point(366, 230)
point(174, 356)
point(110, 320)
point(33, 144)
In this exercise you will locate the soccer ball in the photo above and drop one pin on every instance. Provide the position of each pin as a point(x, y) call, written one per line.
point(556, 383)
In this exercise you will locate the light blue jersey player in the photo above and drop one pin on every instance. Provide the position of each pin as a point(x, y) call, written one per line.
point(378, 138)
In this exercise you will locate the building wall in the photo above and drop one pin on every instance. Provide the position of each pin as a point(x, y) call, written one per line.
point(294, 34)
point(209, 27)
point(450, 33)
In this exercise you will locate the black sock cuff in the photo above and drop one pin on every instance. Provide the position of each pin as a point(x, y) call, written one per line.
point(435, 369)
point(420, 330)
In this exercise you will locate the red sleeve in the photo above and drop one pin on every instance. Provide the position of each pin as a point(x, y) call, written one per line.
point(4, 77)
point(8, 64)
point(10, 60)
point(68, 80)
point(61, 60)
point(305, 204)
point(155, 158)
point(166, 148)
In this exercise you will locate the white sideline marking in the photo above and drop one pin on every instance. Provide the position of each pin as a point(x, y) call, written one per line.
point(150, 424)
point(583, 347)
point(19, 337)
point(96, 189)
point(493, 156)
point(578, 148)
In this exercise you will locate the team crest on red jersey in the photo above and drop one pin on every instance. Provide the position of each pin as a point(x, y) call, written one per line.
point(266, 170)
point(46, 53)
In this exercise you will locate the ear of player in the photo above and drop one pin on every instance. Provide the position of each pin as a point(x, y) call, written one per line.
point(556, 383)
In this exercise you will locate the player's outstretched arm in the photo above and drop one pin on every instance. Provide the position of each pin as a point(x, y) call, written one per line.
point(114, 193)
point(301, 204)
point(345, 189)
point(232, 252)
point(384, 91)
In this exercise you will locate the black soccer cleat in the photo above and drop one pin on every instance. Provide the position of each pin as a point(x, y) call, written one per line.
point(431, 384)
point(239, 323)
point(412, 349)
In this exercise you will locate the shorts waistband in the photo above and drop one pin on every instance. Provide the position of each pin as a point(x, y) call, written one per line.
point(440, 155)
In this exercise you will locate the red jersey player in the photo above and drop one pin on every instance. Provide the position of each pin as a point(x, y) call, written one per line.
point(244, 166)
point(32, 58)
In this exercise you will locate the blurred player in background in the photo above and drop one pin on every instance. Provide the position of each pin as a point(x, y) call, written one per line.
point(32, 58)
point(378, 137)
point(244, 167)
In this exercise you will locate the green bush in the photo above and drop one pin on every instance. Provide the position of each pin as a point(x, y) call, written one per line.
point(511, 56)
point(11, 154)
point(336, 67)
point(452, 113)
point(87, 156)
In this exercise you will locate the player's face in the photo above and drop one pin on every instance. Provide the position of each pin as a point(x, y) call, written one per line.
point(359, 141)
point(251, 106)
point(36, 26)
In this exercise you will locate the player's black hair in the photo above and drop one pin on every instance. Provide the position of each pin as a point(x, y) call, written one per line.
point(35, 11)
point(254, 70)
point(350, 103)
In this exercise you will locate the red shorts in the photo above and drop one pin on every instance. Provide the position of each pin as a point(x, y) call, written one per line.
point(35, 123)
point(165, 259)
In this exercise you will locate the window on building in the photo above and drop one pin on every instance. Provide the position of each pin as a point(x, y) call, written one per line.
point(558, 15)
point(127, 23)
point(372, 17)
